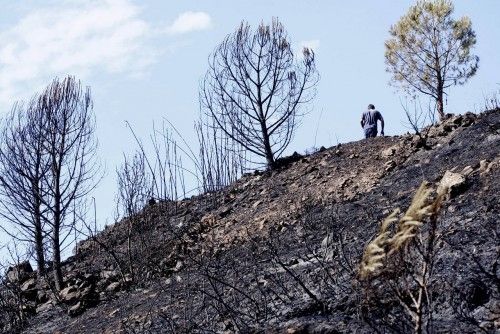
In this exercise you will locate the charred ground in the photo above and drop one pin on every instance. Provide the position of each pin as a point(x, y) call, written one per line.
point(279, 251)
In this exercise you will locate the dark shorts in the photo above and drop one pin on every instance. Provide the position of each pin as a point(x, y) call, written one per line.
point(370, 132)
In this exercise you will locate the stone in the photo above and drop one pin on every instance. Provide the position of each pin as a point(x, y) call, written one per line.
point(311, 169)
point(20, 272)
point(69, 294)
point(109, 274)
point(468, 170)
point(256, 204)
point(44, 307)
point(76, 309)
point(458, 120)
point(178, 265)
point(42, 296)
point(90, 278)
point(225, 211)
point(114, 312)
point(449, 127)
point(208, 219)
point(28, 285)
point(493, 137)
point(451, 182)
point(388, 152)
point(86, 292)
point(113, 287)
point(262, 223)
point(469, 118)
point(484, 166)
point(327, 247)
point(389, 165)
point(344, 183)
point(28, 289)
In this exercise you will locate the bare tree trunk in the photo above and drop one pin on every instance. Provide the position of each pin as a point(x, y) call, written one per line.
point(56, 259)
point(440, 107)
point(56, 246)
point(267, 146)
point(40, 256)
point(57, 201)
point(440, 104)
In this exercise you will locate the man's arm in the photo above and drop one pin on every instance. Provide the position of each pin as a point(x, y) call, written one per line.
point(362, 120)
point(381, 124)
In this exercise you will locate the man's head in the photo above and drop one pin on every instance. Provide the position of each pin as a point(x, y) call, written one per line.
point(371, 107)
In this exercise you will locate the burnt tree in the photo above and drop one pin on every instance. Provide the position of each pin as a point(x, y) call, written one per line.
point(70, 146)
point(255, 88)
point(23, 165)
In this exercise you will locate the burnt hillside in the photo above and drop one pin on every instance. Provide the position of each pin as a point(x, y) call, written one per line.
point(279, 251)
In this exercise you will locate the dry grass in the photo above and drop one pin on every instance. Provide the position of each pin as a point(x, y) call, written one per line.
point(423, 206)
point(375, 252)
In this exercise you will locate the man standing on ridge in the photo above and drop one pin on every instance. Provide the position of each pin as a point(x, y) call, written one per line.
point(369, 122)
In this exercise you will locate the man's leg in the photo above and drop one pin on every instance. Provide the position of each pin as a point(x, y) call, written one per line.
point(370, 133)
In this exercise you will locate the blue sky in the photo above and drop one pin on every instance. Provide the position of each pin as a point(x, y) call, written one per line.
point(144, 60)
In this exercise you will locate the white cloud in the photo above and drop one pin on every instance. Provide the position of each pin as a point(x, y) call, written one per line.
point(78, 38)
point(82, 38)
point(190, 21)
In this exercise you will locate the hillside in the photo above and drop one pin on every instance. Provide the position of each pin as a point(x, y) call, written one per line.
point(279, 251)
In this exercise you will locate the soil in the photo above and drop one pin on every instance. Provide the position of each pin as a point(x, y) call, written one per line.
point(279, 251)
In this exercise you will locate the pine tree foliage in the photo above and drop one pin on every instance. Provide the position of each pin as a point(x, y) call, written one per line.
point(430, 51)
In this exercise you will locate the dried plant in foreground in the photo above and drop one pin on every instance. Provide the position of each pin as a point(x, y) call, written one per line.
point(400, 267)
point(375, 252)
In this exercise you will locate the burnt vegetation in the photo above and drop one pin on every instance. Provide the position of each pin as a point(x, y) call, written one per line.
point(308, 243)
point(290, 249)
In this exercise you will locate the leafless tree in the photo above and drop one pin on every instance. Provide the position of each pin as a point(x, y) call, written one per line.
point(23, 165)
point(492, 101)
point(419, 120)
point(255, 88)
point(70, 146)
point(134, 191)
point(14, 309)
point(168, 162)
point(416, 116)
point(134, 185)
point(47, 166)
